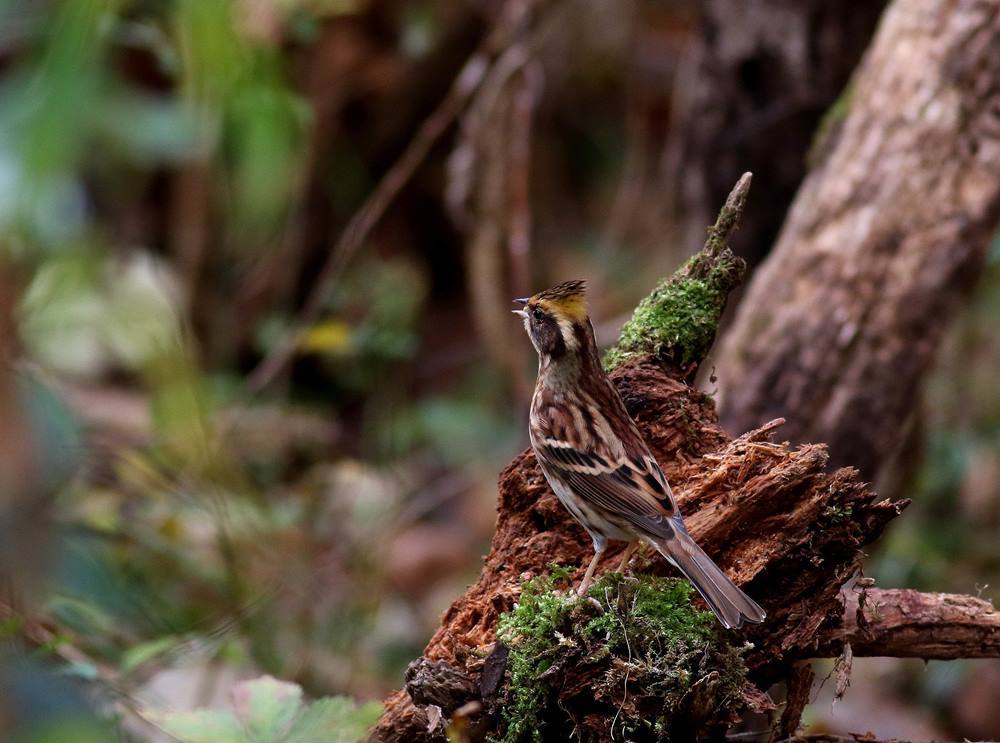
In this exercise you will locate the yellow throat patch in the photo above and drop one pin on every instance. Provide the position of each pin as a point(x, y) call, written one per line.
point(567, 300)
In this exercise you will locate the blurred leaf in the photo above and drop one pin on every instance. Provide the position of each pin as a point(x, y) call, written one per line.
point(62, 313)
point(81, 669)
point(48, 108)
point(58, 448)
point(11, 627)
point(80, 615)
point(137, 655)
point(79, 307)
point(213, 56)
point(141, 321)
point(181, 410)
point(52, 101)
point(266, 707)
point(332, 337)
point(265, 128)
point(271, 711)
point(419, 30)
point(334, 720)
point(149, 129)
point(201, 726)
point(83, 730)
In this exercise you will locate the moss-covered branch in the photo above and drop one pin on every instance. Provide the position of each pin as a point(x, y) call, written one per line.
point(678, 320)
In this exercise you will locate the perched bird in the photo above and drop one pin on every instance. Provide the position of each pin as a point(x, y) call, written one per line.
point(595, 459)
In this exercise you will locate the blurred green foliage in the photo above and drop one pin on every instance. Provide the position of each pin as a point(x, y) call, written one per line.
point(215, 533)
point(271, 711)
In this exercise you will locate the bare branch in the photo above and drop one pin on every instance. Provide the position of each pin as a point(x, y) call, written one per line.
point(902, 623)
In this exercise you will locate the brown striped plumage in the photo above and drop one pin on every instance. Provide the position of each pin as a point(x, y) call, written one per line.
point(595, 459)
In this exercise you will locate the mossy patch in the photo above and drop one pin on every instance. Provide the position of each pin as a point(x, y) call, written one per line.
point(679, 318)
point(837, 512)
point(829, 126)
point(625, 659)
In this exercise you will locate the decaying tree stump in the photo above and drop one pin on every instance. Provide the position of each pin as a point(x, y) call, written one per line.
point(883, 242)
point(784, 527)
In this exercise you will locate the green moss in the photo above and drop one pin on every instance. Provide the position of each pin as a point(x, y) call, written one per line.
point(532, 632)
point(828, 126)
point(837, 512)
point(641, 637)
point(677, 322)
point(658, 612)
point(679, 318)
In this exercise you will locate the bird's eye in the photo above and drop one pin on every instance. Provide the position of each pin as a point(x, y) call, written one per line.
point(536, 313)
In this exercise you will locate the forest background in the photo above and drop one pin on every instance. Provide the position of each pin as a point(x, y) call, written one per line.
point(259, 370)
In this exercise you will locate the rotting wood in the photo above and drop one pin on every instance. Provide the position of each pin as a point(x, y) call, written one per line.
point(784, 527)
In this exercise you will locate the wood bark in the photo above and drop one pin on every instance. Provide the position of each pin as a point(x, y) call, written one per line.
point(902, 623)
point(883, 242)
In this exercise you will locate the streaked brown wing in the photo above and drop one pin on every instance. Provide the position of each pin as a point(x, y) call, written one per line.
point(633, 491)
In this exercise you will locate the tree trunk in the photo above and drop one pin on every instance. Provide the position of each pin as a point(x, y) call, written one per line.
point(759, 72)
point(883, 242)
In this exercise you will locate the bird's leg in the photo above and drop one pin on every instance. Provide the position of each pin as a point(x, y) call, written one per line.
point(626, 556)
point(589, 575)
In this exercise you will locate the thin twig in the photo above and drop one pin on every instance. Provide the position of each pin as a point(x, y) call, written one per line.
point(628, 664)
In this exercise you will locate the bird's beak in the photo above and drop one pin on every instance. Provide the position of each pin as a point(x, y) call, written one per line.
point(522, 313)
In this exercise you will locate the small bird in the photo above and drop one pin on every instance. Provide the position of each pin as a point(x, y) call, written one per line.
point(595, 459)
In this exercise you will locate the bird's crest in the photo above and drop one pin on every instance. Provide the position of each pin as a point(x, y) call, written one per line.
point(568, 299)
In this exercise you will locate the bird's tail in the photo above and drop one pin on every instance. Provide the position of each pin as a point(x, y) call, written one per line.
point(730, 604)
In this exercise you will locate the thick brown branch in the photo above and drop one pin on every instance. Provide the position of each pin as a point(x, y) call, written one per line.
point(901, 623)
